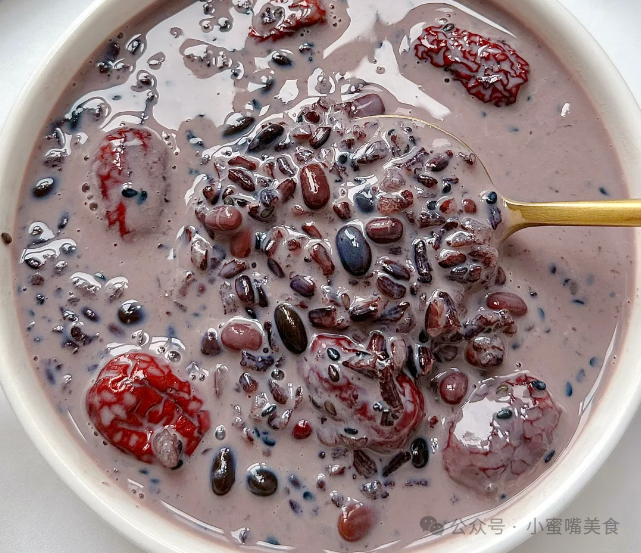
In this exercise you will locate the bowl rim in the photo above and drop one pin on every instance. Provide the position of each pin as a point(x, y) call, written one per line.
point(593, 442)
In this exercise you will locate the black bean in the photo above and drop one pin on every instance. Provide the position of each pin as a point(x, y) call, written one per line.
point(303, 285)
point(244, 289)
point(504, 414)
point(223, 471)
point(422, 264)
point(279, 58)
point(365, 200)
point(251, 313)
point(265, 136)
point(395, 269)
point(396, 463)
point(333, 354)
point(209, 344)
point(91, 315)
point(261, 481)
point(330, 408)
point(131, 312)
point(239, 125)
point(262, 296)
point(491, 197)
point(334, 373)
point(353, 250)
point(275, 268)
point(268, 197)
point(43, 187)
point(420, 453)
point(291, 328)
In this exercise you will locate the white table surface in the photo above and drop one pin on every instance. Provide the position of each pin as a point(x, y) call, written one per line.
point(39, 513)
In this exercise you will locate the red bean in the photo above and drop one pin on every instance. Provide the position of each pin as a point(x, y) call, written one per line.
point(320, 136)
point(284, 166)
point(485, 351)
point(239, 336)
point(342, 209)
point(223, 218)
point(326, 317)
point(243, 178)
point(450, 258)
point(469, 206)
point(453, 387)
point(302, 132)
point(242, 161)
point(232, 268)
point(302, 430)
point(312, 230)
point(389, 288)
point(506, 300)
point(384, 230)
point(241, 243)
point(314, 186)
point(355, 521)
point(286, 189)
point(321, 256)
point(248, 383)
point(367, 106)
point(448, 206)
point(388, 204)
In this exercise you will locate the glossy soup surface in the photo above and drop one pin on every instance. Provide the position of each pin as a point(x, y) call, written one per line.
point(279, 318)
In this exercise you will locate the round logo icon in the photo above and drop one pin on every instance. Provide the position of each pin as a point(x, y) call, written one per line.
point(431, 525)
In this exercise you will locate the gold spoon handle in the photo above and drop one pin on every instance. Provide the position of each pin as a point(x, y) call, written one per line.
point(603, 213)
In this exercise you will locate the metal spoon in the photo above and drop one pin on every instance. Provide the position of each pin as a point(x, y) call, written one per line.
point(518, 215)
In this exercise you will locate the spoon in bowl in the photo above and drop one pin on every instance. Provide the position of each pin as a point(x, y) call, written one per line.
point(516, 215)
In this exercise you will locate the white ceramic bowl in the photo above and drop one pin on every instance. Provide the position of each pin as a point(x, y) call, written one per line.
point(612, 407)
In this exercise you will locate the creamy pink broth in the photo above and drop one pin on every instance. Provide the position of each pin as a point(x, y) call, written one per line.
point(180, 73)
